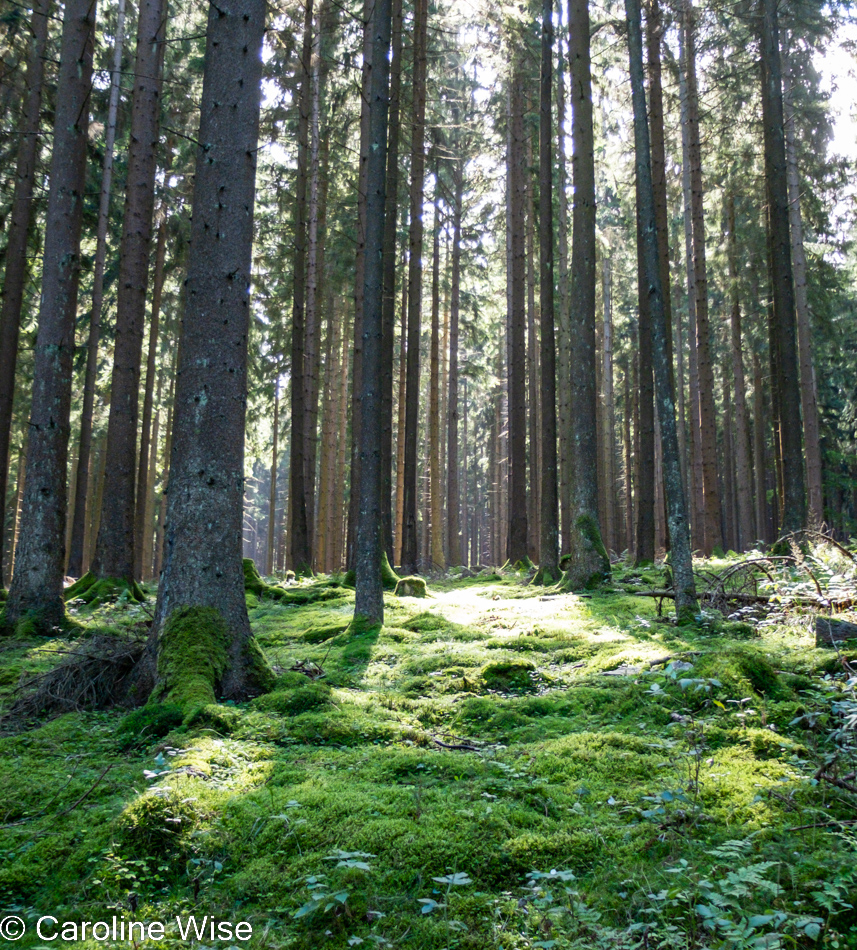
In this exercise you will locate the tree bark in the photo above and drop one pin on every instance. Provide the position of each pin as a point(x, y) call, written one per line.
point(115, 545)
point(201, 594)
point(15, 274)
point(549, 495)
point(37, 586)
point(707, 410)
point(300, 554)
point(644, 544)
point(776, 176)
point(457, 537)
point(686, 601)
point(400, 425)
point(434, 416)
point(272, 495)
point(415, 275)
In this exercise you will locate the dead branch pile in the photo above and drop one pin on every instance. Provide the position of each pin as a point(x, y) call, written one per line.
point(95, 674)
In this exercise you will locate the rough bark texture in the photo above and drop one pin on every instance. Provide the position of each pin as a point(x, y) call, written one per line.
point(391, 215)
point(40, 559)
point(457, 543)
point(588, 557)
point(114, 548)
point(435, 412)
point(415, 276)
point(808, 389)
point(686, 602)
point(707, 410)
point(203, 574)
point(369, 598)
point(786, 365)
point(644, 527)
point(15, 274)
point(516, 184)
point(549, 496)
point(300, 556)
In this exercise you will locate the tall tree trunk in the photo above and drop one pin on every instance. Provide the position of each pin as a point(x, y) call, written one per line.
point(563, 343)
point(457, 524)
point(464, 551)
point(37, 586)
point(682, 562)
point(338, 506)
point(808, 390)
point(776, 176)
point(644, 546)
point(114, 548)
point(697, 506)
point(516, 183)
point(728, 468)
point(400, 426)
point(391, 216)
point(15, 275)
point(300, 554)
point(744, 489)
point(415, 278)
point(707, 410)
point(609, 414)
point(148, 529)
point(549, 500)
point(629, 489)
point(142, 496)
point(201, 594)
point(434, 416)
point(329, 436)
point(19, 500)
point(533, 375)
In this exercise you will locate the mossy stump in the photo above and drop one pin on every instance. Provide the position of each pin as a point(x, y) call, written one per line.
point(411, 587)
point(93, 590)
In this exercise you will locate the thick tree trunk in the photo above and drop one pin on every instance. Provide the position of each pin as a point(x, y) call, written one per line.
point(415, 278)
point(37, 586)
point(549, 495)
point(808, 389)
point(743, 469)
point(707, 410)
point(686, 602)
point(369, 598)
point(115, 546)
point(300, 554)
point(776, 176)
point(201, 604)
point(15, 275)
point(589, 560)
point(516, 183)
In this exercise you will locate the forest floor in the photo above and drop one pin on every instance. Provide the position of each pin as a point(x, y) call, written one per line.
point(497, 767)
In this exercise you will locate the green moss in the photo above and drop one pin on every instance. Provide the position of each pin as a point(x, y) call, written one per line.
point(93, 590)
point(508, 676)
point(291, 702)
point(40, 623)
point(411, 587)
point(192, 656)
point(143, 725)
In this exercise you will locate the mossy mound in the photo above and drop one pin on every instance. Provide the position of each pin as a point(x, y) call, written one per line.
point(291, 702)
point(256, 587)
point(411, 587)
point(743, 669)
point(507, 677)
point(40, 623)
point(93, 590)
point(143, 725)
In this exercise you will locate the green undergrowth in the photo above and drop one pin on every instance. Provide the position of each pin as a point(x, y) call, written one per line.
point(498, 766)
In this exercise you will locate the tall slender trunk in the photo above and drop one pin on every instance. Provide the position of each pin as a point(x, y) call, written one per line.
point(434, 416)
point(272, 496)
point(516, 183)
point(707, 410)
point(457, 524)
point(19, 499)
point(160, 533)
point(629, 488)
point(808, 389)
point(644, 546)
point(391, 215)
point(400, 426)
point(728, 467)
point(143, 487)
point(329, 435)
point(549, 495)
point(415, 275)
point(115, 546)
point(533, 394)
point(148, 530)
point(744, 489)
point(786, 366)
point(563, 342)
point(93, 504)
point(464, 556)
point(37, 586)
point(759, 466)
point(697, 507)
point(609, 415)
point(682, 562)
point(338, 511)
point(15, 274)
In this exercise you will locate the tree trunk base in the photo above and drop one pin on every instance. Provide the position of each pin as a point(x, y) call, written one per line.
point(93, 590)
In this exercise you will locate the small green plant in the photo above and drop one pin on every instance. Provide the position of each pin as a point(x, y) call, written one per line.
point(429, 905)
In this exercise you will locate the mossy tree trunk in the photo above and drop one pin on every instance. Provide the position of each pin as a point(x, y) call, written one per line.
point(202, 586)
point(40, 559)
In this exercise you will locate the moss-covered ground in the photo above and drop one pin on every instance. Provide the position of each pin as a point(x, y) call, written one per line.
point(500, 766)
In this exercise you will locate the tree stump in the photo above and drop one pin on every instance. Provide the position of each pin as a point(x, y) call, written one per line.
point(829, 632)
